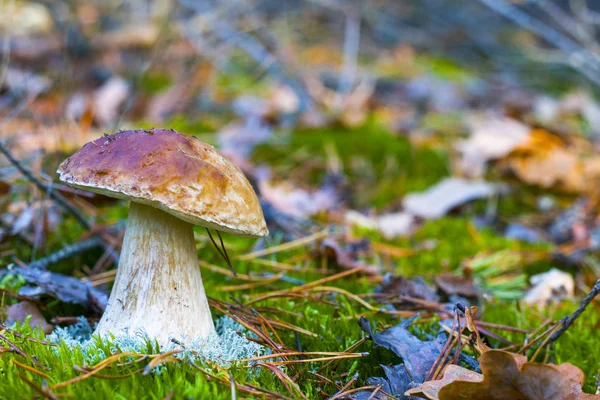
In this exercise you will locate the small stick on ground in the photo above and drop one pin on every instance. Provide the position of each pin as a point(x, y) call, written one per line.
point(568, 321)
point(66, 252)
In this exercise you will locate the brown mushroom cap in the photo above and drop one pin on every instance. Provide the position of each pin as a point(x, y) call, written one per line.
point(170, 171)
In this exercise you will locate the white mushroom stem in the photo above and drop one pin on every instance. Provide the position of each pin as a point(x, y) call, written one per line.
point(158, 288)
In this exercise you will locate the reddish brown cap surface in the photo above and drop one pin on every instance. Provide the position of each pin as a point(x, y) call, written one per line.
point(170, 171)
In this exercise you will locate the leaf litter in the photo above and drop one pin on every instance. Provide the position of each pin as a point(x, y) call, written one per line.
point(331, 258)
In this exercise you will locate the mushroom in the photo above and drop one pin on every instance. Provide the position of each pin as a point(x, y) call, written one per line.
point(173, 182)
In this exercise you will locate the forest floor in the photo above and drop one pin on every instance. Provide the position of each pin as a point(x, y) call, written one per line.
point(426, 201)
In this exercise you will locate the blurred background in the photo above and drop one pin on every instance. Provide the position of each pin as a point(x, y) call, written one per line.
point(428, 137)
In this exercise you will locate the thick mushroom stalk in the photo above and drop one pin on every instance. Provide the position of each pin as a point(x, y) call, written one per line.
point(158, 288)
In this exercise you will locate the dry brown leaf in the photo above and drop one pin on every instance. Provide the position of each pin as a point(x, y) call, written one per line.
point(431, 389)
point(479, 345)
point(507, 376)
point(453, 284)
point(20, 311)
point(546, 160)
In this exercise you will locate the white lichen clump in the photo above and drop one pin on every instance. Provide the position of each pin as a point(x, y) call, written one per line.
point(223, 347)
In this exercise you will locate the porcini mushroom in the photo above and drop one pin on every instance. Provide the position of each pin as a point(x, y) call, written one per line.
point(173, 182)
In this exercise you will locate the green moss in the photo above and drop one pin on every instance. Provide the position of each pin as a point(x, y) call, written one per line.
point(152, 83)
point(444, 68)
point(381, 168)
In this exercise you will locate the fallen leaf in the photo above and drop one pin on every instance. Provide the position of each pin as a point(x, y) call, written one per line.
point(390, 225)
point(394, 225)
point(431, 389)
point(506, 376)
point(491, 138)
point(20, 311)
point(452, 284)
point(546, 160)
point(418, 355)
point(344, 257)
point(470, 317)
point(395, 383)
point(509, 376)
point(550, 287)
point(446, 195)
point(415, 287)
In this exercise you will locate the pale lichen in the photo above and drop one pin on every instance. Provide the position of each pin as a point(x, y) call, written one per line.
point(223, 348)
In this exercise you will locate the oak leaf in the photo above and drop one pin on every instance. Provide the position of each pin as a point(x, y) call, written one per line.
point(507, 376)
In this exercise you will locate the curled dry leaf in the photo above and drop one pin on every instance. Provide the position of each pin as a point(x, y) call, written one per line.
point(479, 345)
point(431, 389)
point(506, 376)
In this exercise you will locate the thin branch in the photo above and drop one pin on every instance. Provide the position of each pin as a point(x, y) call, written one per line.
point(581, 58)
point(64, 253)
point(351, 47)
point(66, 288)
point(568, 321)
